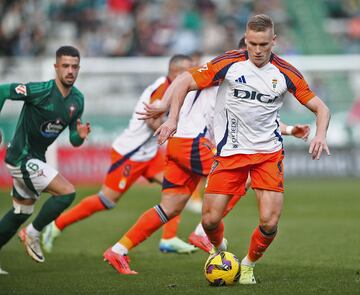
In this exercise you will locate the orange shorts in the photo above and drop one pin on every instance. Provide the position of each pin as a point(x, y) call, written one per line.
point(228, 174)
point(187, 161)
point(124, 172)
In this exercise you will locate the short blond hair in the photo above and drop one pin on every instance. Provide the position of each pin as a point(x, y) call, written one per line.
point(260, 23)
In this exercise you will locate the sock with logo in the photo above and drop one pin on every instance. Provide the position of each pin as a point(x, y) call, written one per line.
point(260, 241)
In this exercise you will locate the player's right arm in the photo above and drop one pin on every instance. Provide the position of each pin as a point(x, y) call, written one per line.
point(5, 93)
point(18, 91)
point(176, 93)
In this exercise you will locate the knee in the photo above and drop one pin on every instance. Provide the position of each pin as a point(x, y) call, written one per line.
point(269, 225)
point(210, 220)
point(67, 199)
point(171, 211)
point(68, 189)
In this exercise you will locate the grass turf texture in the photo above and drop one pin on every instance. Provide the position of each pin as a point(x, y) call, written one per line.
point(316, 251)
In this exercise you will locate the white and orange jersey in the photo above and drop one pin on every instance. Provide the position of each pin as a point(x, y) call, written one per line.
point(137, 142)
point(197, 114)
point(248, 101)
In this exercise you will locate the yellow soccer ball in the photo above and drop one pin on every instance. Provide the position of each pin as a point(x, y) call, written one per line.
point(222, 269)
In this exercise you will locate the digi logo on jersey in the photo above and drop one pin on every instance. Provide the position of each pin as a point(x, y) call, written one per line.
point(245, 94)
point(52, 128)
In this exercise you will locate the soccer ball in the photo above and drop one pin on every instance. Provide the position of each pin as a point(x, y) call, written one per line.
point(222, 269)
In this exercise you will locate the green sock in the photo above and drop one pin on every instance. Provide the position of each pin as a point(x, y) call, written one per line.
point(51, 209)
point(9, 224)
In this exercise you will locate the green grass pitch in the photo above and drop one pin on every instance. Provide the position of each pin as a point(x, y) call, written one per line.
point(317, 250)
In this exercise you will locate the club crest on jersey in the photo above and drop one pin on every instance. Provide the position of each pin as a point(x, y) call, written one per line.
point(21, 89)
point(72, 110)
point(51, 129)
point(122, 183)
point(274, 83)
point(203, 68)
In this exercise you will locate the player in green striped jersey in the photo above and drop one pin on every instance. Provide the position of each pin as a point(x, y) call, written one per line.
point(49, 107)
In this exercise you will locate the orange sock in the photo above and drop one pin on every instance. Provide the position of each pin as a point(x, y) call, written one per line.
point(85, 208)
point(260, 241)
point(170, 228)
point(145, 226)
point(216, 235)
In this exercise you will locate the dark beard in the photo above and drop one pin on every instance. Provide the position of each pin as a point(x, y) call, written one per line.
point(67, 85)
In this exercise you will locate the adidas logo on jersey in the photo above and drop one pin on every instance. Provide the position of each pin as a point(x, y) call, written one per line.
point(241, 79)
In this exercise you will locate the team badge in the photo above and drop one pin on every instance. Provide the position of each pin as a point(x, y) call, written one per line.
point(122, 183)
point(21, 89)
point(274, 83)
point(203, 68)
point(72, 110)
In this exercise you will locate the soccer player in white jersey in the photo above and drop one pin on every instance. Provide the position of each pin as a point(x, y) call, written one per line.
point(189, 157)
point(248, 140)
point(135, 153)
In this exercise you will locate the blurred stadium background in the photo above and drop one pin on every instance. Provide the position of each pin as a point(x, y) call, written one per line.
point(126, 44)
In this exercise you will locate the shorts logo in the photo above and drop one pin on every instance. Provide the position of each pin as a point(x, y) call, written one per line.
point(122, 183)
point(214, 165)
point(21, 89)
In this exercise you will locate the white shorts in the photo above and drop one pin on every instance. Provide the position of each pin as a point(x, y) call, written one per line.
point(30, 179)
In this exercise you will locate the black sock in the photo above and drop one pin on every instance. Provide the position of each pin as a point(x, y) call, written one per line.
point(9, 224)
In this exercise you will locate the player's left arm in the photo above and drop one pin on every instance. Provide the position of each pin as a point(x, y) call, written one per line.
point(322, 112)
point(78, 131)
point(176, 93)
point(298, 130)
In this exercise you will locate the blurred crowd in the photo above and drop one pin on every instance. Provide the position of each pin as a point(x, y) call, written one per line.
point(146, 28)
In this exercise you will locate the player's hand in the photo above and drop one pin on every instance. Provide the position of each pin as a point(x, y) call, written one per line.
point(83, 129)
point(301, 131)
point(166, 130)
point(317, 146)
point(152, 110)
